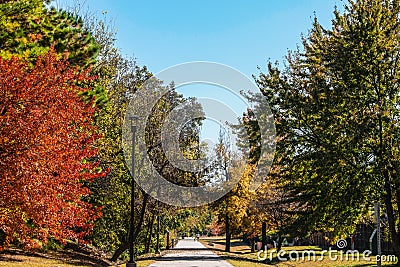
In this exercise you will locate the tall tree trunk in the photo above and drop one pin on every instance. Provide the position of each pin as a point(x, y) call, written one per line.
point(125, 246)
point(158, 232)
point(395, 172)
point(390, 214)
point(279, 244)
point(397, 193)
point(252, 244)
point(264, 236)
point(150, 233)
point(227, 234)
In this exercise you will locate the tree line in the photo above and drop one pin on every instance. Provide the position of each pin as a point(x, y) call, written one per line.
point(65, 88)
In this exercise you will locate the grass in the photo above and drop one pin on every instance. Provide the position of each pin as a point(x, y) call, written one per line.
point(36, 262)
point(43, 262)
point(241, 256)
point(20, 258)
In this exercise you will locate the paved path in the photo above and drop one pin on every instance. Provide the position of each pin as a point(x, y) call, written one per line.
point(190, 253)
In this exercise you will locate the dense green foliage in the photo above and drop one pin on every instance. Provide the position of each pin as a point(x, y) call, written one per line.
point(28, 28)
point(336, 110)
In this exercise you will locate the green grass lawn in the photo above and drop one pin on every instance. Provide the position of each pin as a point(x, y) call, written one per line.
point(19, 258)
point(241, 256)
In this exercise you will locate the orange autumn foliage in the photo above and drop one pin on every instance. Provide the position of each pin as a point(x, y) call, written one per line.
point(46, 133)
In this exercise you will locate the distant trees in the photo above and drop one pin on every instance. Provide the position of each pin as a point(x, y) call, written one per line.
point(46, 147)
point(337, 118)
point(235, 168)
point(272, 205)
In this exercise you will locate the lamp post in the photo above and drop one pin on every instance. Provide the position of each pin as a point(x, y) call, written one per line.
point(377, 209)
point(132, 262)
point(158, 228)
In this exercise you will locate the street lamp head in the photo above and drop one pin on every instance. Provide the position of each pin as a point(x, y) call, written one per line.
point(133, 118)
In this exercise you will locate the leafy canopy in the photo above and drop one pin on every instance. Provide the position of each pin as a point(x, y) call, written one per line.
point(46, 144)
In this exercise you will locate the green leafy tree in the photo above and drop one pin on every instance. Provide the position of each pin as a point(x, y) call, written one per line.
point(337, 118)
point(118, 77)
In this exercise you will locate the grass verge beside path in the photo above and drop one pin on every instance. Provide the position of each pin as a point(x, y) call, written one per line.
point(20, 258)
point(241, 256)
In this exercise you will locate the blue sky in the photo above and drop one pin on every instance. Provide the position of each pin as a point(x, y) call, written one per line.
point(240, 34)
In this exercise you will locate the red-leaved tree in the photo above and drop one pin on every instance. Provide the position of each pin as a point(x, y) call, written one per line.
point(46, 143)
